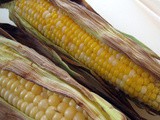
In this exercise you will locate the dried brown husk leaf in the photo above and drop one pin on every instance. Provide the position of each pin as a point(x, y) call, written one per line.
point(32, 66)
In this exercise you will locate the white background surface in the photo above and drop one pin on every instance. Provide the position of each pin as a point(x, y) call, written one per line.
point(128, 16)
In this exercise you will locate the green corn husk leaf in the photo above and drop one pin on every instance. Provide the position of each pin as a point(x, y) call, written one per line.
point(81, 74)
point(32, 66)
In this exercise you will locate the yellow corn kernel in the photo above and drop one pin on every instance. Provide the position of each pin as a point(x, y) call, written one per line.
point(29, 100)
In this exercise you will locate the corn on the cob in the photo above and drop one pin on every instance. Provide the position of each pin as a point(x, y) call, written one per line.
point(36, 101)
point(115, 67)
point(41, 90)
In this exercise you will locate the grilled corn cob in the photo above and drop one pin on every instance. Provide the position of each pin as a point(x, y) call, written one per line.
point(42, 91)
point(51, 21)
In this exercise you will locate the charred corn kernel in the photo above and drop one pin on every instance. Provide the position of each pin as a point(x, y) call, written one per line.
point(30, 101)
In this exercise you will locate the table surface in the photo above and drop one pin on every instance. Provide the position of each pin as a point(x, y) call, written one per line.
point(127, 16)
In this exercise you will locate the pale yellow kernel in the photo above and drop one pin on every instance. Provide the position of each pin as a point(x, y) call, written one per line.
point(6, 95)
point(11, 75)
point(114, 62)
point(39, 115)
point(63, 118)
point(15, 101)
point(79, 116)
point(37, 99)
point(29, 97)
point(49, 93)
point(54, 100)
point(23, 93)
point(1, 79)
point(14, 85)
point(66, 99)
point(118, 56)
point(29, 108)
point(19, 103)
point(111, 58)
point(62, 107)
point(132, 73)
point(10, 98)
point(18, 90)
point(125, 77)
point(3, 72)
point(33, 112)
point(36, 89)
point(23, 106)
point(40, 27)
point(78, 108)
point(85, 113)
point(29, 85)
point(46, 14)
point(122, 84)
point(143, 89)
point(57, 116)
point(3, 92)
point(44, 117)
point(158, 98)
point(50, 112)
point(4, 82)
point(118, 81)
point(70, 112)
point(10, 83)
point(23, 81)
point(44, 95)
point(43, 104)
point(72, 103)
